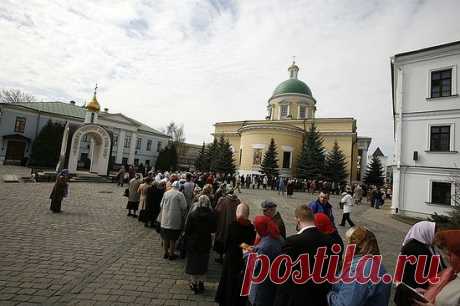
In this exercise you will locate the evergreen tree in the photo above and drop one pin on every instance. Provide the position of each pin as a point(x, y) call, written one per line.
point(47, 146)
point(200, 161)
point(311, 161)
point(336, 165)
point(374, 173)
point(270, 162)
point(224, 157)
point(211, 156)
point(167, 158)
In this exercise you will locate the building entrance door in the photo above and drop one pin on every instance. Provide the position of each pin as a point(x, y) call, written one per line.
point(15, 151)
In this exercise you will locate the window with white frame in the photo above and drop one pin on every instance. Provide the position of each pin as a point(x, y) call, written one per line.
point(115, 140)
point(127, 143)
point(440, 138)
point(138, 143)
point(159, 146)
point(149, 145)
point(20, 124)
point(442, 82)
point(287, 160)
point(441, 193)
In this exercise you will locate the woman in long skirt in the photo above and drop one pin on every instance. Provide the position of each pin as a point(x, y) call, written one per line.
point(201, 223)
point(59, 191)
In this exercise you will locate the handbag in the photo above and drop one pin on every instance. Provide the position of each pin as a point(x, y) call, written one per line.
point(126, 193)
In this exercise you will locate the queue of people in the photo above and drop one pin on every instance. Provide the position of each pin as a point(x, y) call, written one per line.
point(211, 217)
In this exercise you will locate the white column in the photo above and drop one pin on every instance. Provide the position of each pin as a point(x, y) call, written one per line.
point(132, 149)
point(120, 145)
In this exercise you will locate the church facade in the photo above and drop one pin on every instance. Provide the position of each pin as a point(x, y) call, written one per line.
point(291, 112)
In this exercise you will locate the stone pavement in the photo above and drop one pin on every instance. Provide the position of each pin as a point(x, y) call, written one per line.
point(93, 254)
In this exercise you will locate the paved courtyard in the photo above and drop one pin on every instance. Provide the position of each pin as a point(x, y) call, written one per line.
point(93, 254)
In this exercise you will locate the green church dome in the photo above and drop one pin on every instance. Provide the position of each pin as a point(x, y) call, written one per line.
point(294, 86)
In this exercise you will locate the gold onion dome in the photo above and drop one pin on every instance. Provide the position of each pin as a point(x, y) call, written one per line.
point(94, 105)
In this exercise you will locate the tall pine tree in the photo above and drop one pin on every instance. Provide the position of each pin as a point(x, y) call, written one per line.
point(311, 161)
point(211, 155)
point(270, 162)
point(374, 173)
point(336, 170)
point(167, 158)
point(200, 163)
point(224, 162)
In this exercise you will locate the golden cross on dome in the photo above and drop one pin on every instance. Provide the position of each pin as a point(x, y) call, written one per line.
point(95, 89)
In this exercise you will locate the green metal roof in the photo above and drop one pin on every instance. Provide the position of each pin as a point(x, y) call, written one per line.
point(71, 110)
point(292, 86)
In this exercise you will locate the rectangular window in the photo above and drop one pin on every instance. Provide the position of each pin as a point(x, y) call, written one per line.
point(257, 157)
point(124, 161)
point(85, 138)
point(147, 162)
point(284, 111)
point(20, 125)
point(149, 145)
point(138, 143)
point(136, 162)
point(441, 83)
point(441, 193)
point(286, 160)
point(159, 146)
point(440, 138)
point(127, 141)
point(115, 140)
point(302, 111)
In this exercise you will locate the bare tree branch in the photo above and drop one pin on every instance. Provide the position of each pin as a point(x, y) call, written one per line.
point(15, 96)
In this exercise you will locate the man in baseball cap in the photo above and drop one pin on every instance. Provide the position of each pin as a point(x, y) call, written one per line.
point(269, 210)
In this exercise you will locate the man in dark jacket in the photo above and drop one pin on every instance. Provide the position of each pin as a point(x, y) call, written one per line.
point(269, 210)
point(322, 205)
point(307, 241)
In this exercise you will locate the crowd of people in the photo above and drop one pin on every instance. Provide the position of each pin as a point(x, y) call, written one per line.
point(196, 215)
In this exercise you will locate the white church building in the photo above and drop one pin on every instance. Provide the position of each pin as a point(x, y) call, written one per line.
point(123, 139)
point(426, 110)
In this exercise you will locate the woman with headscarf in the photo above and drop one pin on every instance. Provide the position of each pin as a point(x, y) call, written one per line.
point(240, 231)
point(324, 225)
point(270, 243)
point(446, 292)
point(200, 224)
point(418, 242)
point(153, 198)
point(60, 191)
point(172, 219)
point(355, 293)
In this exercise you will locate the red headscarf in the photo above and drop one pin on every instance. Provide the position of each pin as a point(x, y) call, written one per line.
point(265, 226)
point(324, 224)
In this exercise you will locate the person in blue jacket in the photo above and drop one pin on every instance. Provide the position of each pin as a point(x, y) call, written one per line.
point(322, 205)
point(354, 293)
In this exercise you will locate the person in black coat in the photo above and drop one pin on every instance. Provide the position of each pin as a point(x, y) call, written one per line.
point(306, 241)
point(153, 198)
point(231, 280)
point(201, 223)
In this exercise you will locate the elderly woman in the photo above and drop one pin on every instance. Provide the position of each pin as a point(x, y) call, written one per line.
point(142, 190)
point(240, 231)
point(172, 218)
point(133, 195)
point(60, 191)
point(418, 242)
point(354, 293)
point(200, 224)
point(270, 243)
point(447, 291)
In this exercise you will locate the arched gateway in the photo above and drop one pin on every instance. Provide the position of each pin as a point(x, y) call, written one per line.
point(100, 147)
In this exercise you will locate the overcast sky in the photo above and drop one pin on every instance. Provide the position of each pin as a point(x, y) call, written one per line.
point(199, 62)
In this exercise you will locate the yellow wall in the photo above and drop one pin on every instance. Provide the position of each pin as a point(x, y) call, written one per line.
point(342, 130)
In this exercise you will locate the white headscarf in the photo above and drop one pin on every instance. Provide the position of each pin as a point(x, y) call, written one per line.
point(422, 231)
point(176, 185)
